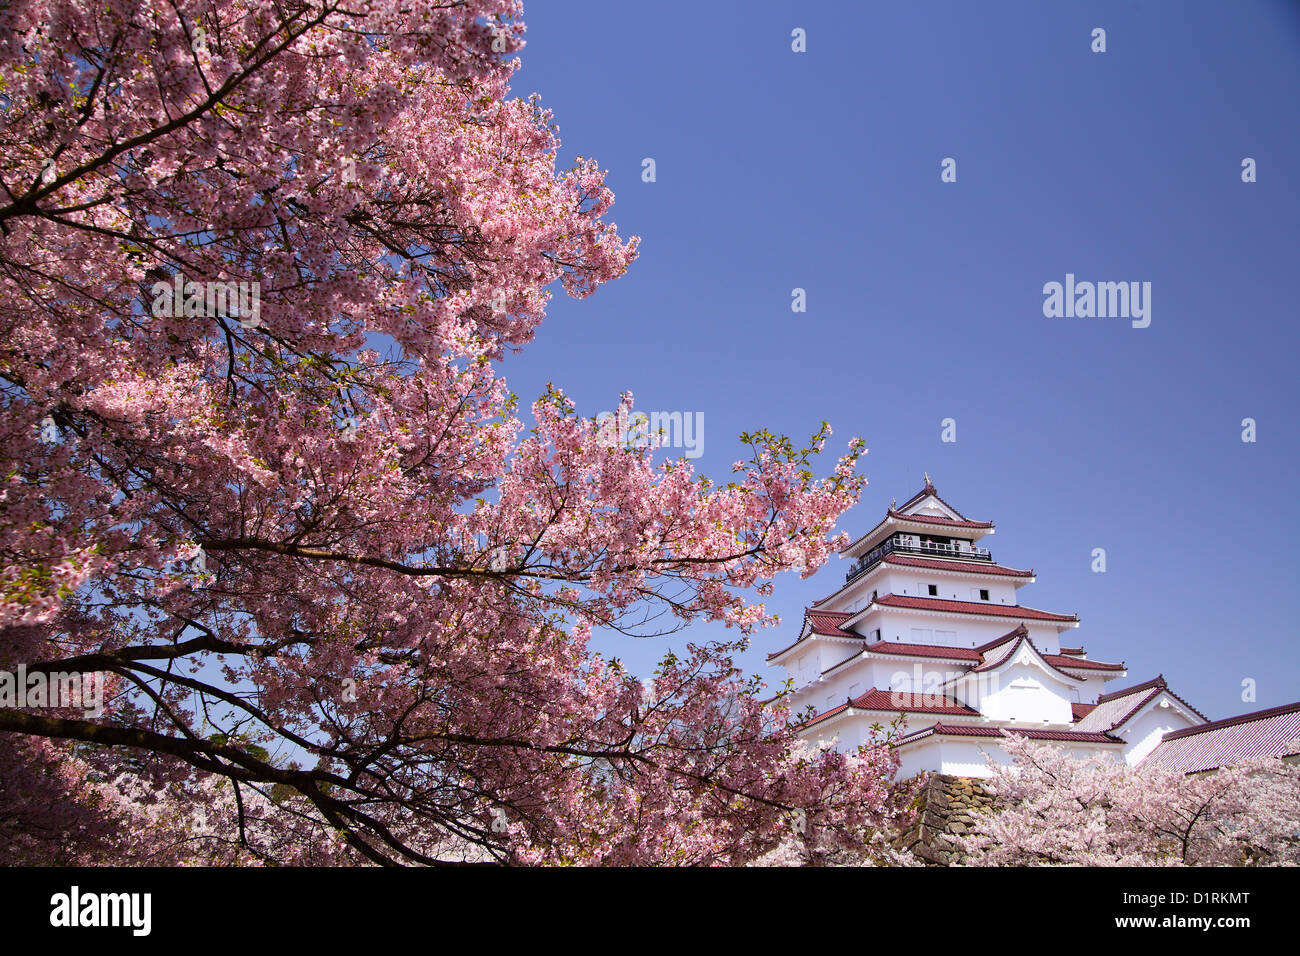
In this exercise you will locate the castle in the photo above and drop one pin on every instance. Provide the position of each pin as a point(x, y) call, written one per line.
point(929, 626)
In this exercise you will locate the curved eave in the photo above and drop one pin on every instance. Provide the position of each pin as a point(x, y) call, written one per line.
point(1008, 660)
point(1017, 581)
point(1033, 733)
point(1107, 673)
point(908, 655)
point(829, 717)
point(963, 569)
point(775, 658)
point(974, 530)
point(846, 710)
point(1059, 624)
point(1151, 703)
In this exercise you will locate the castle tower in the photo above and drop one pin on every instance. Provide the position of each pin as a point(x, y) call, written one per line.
point(928, 625)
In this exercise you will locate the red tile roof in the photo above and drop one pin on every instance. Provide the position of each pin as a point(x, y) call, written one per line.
point(1221, 743)
point(1021, 635)
point(897, 702)
point(824, 715)
point(909, 702)
point(1081, 710)
point(972, 607)
point(828, 622)
point(937, 520)
point(1116, 709)
point(925, 650)
point(978, 730)
point(960, 566)
point(1018, 631)
point(1157, 681)
point(822, 622)
point(1064, 735)
point(1080, 663)
point(925, 492)
point(896, 511)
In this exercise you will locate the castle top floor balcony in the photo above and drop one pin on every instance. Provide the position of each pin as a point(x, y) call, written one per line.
point(952, 550)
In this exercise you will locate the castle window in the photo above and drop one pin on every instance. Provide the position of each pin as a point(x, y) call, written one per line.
point(934, 590)
point(984, 594)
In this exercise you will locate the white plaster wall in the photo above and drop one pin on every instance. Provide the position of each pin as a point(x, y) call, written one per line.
point(966, 758)
point(1143, 733)
point(891, 579)
point(970, 631)
point(886, 674)
point(1094, 687)
point(1022, 692)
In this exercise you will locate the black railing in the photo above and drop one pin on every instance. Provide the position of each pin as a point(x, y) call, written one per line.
point(926, 549)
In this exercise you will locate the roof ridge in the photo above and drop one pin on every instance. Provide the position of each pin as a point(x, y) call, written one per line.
point(910, 701)
point(1022, 638)
point(994, 610)
point(1149, 691)
point(1170, 691)
point(1233, 721)
point(1080, 662)
point(894, 557)
point(997, 641)
point(935, 519)
point(1145, 685)
point(927, 491)
point(814, 610)
point(970, 567)
point(1044, 656)
point(875, 647)
point(1032, 733)
point(1153, 693)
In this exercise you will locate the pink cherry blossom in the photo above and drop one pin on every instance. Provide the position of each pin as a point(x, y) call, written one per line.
point(1055, 809)
point(343, 591)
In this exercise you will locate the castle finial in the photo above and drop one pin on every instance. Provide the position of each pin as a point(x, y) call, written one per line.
point(928, 482)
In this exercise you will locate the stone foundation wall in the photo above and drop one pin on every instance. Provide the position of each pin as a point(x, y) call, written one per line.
point(946, 807)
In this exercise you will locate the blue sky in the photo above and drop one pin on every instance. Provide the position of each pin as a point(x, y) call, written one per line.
point(821, 170)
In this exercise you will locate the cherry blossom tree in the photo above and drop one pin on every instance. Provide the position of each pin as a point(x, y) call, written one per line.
point(57, 808)
point(261, 263)
point(1055, 809)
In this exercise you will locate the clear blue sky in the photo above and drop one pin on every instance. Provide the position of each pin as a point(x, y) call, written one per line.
point(821, 170)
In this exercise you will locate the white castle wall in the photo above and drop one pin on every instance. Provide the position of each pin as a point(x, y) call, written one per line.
point(964, 758)
point(889, 579)
point(1143, 733)
point(1025, 694)
point(1022, 692)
